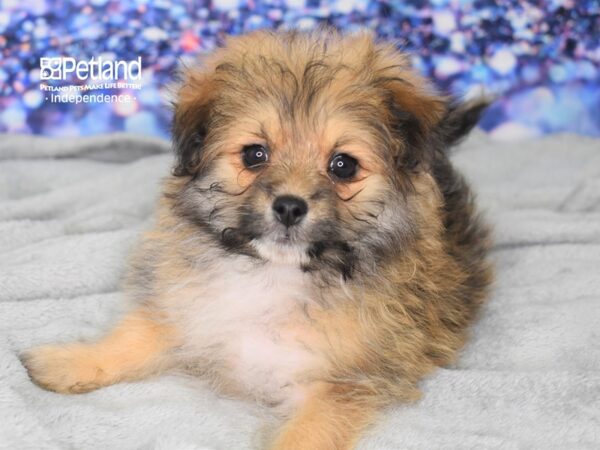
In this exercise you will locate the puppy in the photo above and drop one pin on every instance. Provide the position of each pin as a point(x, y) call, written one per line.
point(313, 249)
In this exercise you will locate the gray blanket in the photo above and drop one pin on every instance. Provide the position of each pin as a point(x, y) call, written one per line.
point(70, 209)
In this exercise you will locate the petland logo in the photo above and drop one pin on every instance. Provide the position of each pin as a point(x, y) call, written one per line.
point(63, 68)
point(94, 81)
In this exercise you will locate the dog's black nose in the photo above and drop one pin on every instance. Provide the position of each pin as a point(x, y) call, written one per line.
point(289, 210)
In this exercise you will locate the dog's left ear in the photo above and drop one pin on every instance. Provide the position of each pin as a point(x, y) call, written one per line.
point(436, 124)
point(415, 114)
point(459, 120)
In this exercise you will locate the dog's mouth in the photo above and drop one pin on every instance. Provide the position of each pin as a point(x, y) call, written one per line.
point(290, 247)
point(276, 245)
point(308, 245)
point(282, 249)
point(286, 237)
point(283, 240)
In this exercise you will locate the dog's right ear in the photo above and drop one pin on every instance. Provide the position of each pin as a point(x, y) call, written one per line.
point(191, 120)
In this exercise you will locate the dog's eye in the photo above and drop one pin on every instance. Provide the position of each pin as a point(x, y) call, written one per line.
point(254, 155)
point(343, 166)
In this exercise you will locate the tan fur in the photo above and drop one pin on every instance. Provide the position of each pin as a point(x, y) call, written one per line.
point(133, 350)
point(325, 421)
point(372, 291)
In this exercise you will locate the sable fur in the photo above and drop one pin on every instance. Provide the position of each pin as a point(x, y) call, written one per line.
point(340, 315)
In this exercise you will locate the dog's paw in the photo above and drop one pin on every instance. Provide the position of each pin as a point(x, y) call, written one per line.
point(66, 369)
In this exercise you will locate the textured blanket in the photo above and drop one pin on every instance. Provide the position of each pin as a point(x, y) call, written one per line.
point(70, 210)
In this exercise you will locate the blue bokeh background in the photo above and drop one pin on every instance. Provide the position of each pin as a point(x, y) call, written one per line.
point(541, 57)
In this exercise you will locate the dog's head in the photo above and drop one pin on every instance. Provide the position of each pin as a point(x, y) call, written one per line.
point(310, 148)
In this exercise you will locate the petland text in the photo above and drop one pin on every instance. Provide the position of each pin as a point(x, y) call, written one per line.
point(95, 69)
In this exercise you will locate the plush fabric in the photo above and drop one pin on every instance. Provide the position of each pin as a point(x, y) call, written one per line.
point(70, 209)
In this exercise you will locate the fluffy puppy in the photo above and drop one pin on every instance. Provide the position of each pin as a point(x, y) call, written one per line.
point(313, 249)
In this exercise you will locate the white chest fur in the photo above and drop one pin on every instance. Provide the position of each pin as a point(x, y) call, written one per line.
point(248, 321)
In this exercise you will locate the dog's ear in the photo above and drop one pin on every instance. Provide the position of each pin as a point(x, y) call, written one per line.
point(436, 124)
point(421, 120)
point(459, 120)
point(191, 120)
point(415, 112)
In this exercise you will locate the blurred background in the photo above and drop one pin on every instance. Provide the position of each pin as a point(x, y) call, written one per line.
point(541, 57)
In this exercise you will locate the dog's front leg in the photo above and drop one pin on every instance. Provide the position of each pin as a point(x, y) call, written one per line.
point(137, 347)
point(329, 419)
